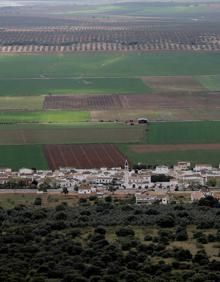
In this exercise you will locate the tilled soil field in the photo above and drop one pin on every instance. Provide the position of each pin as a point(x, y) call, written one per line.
point(83, 156)
point(83, 102)
point(127, 134)
point(148, 101)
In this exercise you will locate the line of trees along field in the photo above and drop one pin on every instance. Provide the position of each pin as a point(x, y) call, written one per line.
point(100, 240)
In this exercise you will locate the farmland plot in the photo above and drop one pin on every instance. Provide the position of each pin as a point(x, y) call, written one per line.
point(105, 38)
point(210, 82)
point(159, 114)
point(145, 101)
point(44, 86)
point(95, 65)
point(184, 132)
point(16, 157)
point(83, 156)
point(172, 157)
point(172, 148)
point(71, 135)
point(43, 116)
point(173, 83)
point(21, 103)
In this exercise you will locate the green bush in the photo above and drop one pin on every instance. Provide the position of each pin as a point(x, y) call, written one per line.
point(37, 201)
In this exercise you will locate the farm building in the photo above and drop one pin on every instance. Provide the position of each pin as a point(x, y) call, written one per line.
point(142, 120)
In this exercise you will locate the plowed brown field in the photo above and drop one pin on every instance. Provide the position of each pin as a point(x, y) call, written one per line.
point(94, 102)
point(171, 100)
point(83, 156)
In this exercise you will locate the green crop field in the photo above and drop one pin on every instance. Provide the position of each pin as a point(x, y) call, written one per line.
point(43, 116)
point(20, 156)
point(41, 86)
point(21, 103)
point(108, 65)
point(183, 132)
point(178, 133)
point(210, 82)
point(171, 158)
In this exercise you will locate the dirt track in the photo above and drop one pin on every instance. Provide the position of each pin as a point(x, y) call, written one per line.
point(170, 148)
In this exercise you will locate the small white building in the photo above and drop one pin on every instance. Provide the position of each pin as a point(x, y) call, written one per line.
point(162, 169)
point(193, 178)
point(86, 189)
point(137, 181)
point(203, 167)
point(25, 171)
point(103, 180)
point(67, 183)
point(181, 166)
point(4, 170)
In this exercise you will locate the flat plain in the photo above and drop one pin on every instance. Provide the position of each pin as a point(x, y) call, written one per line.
point(109, 65)
point(44, 102)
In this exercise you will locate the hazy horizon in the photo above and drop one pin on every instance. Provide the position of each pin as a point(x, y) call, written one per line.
point(14, 3)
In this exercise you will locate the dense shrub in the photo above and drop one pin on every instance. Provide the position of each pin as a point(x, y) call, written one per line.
point(104, 242)
point(209, 201)
point(166, 221)
point(125, 232)
point(37, 201)
point(181, 234)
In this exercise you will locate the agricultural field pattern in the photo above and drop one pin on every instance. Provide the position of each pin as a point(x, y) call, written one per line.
point(74, 81)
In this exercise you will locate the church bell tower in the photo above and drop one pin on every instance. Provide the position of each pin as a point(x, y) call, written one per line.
point(126, 173)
